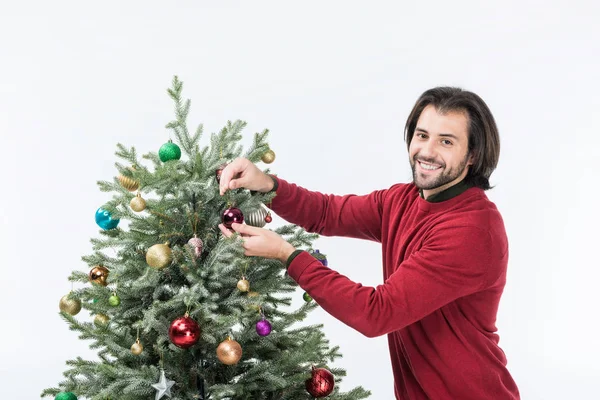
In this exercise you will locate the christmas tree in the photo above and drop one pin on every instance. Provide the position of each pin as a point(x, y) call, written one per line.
point(176, 309)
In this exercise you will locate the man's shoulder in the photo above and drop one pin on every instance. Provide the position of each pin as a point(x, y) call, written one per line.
point(404, 189)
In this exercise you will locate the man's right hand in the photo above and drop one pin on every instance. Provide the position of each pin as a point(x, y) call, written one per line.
point(241, 173)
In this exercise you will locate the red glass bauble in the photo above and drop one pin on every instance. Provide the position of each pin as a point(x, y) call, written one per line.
point(184, 332)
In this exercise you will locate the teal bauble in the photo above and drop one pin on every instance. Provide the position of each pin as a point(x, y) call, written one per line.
point(169, 151)
point(65, 396)
point(105, 220)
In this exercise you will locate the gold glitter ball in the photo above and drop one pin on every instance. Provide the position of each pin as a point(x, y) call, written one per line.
point(268, 157)
point(159, 256)
point(70, 306)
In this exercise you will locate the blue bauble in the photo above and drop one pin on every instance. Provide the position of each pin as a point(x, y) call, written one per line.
point(104, 219)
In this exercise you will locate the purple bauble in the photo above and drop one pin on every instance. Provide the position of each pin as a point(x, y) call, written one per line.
point(320, 256)
point(232, 215)
point(263, 327)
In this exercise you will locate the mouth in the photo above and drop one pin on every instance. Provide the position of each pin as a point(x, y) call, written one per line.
point(427, 168)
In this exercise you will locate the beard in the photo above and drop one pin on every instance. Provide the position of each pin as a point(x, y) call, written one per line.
point(442, 177)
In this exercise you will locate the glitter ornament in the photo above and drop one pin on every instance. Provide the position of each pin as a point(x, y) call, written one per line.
point(169, 151)
point(268, 157)
point(257, 217)
point(128, 183)
point(159, 256)
point(184, 332)
point(101, 320)
point(321, 383)
point(114, 300)
point(229, 352)
point(105, 220)
point(232, 215)
point(69, 305)
point(99, 275)
point(243, 285)
point(137, 204)
point(65, 396)
point(197, 245)
point(263, 327)
point(137, 348)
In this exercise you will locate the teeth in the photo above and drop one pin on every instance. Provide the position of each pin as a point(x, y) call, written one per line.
point(427, 166)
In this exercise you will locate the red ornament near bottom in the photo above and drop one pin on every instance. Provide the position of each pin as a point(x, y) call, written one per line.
point(321, 383)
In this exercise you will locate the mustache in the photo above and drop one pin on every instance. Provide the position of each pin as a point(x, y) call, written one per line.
point(429, 161)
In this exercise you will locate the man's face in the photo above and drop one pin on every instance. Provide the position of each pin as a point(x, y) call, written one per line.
point(441, 143)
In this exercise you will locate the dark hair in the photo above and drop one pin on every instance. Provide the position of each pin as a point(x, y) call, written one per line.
point(483, 138)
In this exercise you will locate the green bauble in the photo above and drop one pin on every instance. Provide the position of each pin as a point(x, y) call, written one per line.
point(65, 396)
point(114, 300)
point(169, 151)
point(307, 297)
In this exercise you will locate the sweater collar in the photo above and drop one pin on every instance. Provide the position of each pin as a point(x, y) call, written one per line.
point(448, 193)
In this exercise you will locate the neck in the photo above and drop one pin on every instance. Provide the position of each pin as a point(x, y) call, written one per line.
point(431, 192)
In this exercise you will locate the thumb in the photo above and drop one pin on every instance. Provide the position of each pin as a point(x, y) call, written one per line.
point(236, 183)
point(246, 229)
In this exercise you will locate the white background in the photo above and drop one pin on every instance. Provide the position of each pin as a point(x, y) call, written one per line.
point(334, 82)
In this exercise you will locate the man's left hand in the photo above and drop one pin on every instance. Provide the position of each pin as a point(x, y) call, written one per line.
point(261, 242)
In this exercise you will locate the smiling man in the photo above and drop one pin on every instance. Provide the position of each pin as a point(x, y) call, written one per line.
point(444, 247)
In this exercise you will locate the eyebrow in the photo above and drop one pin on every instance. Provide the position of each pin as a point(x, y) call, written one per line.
point(441, 134)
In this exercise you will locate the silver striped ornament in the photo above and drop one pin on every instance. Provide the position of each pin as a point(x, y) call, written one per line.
point(257, 217)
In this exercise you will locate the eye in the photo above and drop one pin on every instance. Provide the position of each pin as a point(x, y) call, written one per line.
point(447, 141)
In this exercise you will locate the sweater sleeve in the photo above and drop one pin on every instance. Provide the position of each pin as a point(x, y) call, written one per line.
point(453, 263)
point(330, 215)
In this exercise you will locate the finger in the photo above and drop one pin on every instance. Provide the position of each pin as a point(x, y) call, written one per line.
point(226, 232)
point(246, 229)
point(231, 170)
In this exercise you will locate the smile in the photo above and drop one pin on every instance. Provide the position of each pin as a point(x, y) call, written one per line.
point(428, 167)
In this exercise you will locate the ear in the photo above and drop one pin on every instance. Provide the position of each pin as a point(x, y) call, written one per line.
point(471, 159)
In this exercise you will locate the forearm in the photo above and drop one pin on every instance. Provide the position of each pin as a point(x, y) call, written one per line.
point(420, 285)
point(329, 215)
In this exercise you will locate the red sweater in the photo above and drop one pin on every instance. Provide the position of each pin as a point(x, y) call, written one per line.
point(444, 270)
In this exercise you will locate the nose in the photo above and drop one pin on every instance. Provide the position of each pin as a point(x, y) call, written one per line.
point(427, 151)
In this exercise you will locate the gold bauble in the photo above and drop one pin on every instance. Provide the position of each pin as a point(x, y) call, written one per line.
point(137, 204)
point(98, 275)
point(70, 306)
point(128, 183)
point(268, 157)
point(243, 285)
point(229, 352)
point(137, 348)
point(101, 320)
point(159, 256)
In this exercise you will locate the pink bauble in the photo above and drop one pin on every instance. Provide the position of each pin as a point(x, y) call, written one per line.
point(197, 245)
